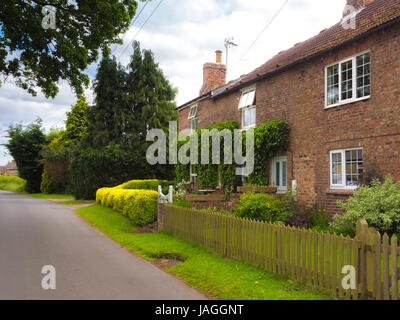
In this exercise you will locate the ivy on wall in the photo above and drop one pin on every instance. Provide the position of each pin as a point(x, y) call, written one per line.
point(269, 138)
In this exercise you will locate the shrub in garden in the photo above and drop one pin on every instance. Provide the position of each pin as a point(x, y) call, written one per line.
point(319, 220)
point(142, 209)
point(378, 204)
point(259, 206)
point(140, 206)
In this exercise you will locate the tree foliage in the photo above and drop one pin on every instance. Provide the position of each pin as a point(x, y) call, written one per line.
point(24, 146)
point(127, 105)
point(38, 58)
point(57, 154)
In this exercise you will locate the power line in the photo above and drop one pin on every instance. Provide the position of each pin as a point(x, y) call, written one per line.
point(135, 19)
point(259, 36)
point(134, 38)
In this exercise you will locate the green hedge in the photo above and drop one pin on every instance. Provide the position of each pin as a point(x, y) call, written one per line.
point(146, 185)
point(140, 206)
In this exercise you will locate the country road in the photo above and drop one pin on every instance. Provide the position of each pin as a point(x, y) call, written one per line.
point(35, 233)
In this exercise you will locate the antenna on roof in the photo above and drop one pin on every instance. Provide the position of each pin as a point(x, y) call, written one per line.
point(228, 44)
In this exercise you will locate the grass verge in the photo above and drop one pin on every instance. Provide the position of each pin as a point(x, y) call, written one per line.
point(74, 202)
point(215, 276)
point(48, 196)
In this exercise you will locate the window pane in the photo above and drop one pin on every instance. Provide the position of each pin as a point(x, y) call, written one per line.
point(337, 168)
point(194, 124)
point(247, 99)
point(333, 85)
point(249, 117)
point(354, 167)
point(277, 174)
point(347, 80)
point(284, 174)
point(363, 75)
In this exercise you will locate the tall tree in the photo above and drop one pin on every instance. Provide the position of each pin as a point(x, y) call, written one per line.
point(37, 55)
point(24, 146)
point(76, 124)
point(127, 105)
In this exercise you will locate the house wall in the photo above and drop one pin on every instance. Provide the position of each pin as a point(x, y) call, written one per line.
point(298, 96)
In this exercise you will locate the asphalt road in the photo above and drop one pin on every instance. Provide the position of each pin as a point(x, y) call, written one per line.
point(88, 265)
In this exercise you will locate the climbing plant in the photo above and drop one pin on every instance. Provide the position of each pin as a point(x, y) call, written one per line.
point(269, 138)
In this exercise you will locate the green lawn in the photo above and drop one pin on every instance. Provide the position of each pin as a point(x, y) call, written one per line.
point(215, 276)
point(74, 202)
point(48, 196)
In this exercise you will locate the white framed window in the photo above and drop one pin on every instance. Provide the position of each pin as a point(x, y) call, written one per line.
point(348, 80)
point(248, 98)
point(192, 112)
point(248, 106)
point(346, 168)
point(279, 174)
point(248, 117)
point(193, 124)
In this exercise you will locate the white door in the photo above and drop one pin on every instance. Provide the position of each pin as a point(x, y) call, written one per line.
point(279, 174)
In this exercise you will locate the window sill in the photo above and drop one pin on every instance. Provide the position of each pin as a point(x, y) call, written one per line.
point(347, 102)
point(247, 128)
point(341, 191)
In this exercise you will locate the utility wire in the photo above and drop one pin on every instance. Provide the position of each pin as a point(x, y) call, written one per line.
point(259, 36)
point(134, 20)
point(134, 38)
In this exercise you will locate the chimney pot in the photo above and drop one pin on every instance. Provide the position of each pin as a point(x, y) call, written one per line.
point(218, 56)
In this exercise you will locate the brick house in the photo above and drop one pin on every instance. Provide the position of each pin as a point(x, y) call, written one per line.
point(340, 93)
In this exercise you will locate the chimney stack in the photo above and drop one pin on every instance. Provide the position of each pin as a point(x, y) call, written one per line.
point(214, 74)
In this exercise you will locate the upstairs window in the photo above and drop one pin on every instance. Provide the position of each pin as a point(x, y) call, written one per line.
point(249, 118)
point(348, 80)
point(247, 99)
point(193, 124)
point(193, 112)
point(247, 105)
point(193, 118)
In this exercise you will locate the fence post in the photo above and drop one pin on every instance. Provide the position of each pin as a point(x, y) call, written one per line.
point(361, 234)
point(371, 263)
point(160, 216)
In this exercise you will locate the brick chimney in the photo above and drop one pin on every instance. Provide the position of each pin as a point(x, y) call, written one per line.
point(214, 74)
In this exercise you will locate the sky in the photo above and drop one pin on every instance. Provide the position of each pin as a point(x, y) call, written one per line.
point(183, 35)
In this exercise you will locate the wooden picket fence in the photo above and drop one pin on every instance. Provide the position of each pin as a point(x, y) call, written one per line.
point(314, 258)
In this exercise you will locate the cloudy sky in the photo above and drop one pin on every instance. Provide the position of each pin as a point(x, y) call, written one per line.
point(183, 35)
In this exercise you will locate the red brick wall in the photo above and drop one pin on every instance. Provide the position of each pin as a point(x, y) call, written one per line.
point(297, 95)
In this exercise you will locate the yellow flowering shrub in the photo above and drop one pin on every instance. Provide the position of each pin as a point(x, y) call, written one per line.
point(140, 206)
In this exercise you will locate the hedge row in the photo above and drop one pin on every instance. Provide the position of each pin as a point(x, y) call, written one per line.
point(146, 185)
point(140, 206)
